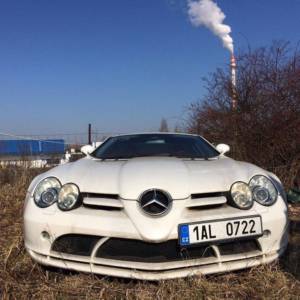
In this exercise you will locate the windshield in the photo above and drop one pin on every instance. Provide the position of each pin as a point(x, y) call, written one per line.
point(139, 145)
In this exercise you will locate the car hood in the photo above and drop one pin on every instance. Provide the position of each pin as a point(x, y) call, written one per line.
point(130, 178)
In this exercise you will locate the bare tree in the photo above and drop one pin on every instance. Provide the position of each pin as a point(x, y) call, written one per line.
point(265, 128)
point(163, 125)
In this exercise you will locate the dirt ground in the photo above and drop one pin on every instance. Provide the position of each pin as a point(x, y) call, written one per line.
point(21, 278)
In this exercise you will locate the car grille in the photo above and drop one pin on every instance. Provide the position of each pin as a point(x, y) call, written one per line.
point(209, 195)
point(208, 200)
point(197, 201)
point(102, 201)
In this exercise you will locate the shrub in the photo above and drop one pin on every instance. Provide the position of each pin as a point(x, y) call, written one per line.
point(265, 127)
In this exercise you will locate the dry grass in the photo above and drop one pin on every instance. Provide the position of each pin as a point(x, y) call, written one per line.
point(21, 278)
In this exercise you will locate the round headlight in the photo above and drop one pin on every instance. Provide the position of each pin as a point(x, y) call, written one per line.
point(263, 190)
point(68, 196)
point(46, 192)
point(241, 195)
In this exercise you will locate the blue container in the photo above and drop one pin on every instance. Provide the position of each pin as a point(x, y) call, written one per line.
point(31, 147)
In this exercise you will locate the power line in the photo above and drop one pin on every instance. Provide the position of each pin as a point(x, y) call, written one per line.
point(98, 135)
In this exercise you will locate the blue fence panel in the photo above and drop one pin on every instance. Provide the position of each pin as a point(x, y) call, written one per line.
point(31, 147)
point(53, 146)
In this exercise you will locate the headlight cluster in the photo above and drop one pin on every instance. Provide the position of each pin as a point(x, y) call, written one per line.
point(50, 190)
point(68, 196)
point(263, 190)
point(241, 195)
point(260, 189)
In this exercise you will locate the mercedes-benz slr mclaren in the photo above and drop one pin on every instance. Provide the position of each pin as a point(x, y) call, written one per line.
point(155, 206)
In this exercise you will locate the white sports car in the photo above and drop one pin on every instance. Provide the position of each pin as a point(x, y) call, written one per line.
point(155, 206)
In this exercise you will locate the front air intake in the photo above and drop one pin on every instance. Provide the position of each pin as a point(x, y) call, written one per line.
point(75, 244)
point(139, 251)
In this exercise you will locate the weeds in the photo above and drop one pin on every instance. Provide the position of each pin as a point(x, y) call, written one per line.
point(21, 278)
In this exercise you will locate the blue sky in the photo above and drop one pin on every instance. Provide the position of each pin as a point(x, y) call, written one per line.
point(121, 65)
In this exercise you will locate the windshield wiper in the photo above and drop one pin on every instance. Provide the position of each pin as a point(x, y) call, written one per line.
point(194, 157)
point(115, 158)
point(162, 155)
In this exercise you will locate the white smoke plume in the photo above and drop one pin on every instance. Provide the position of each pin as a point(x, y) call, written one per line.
point(207, 13)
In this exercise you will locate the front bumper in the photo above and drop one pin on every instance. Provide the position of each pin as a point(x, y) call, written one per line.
point(97, 267)
point(118, 224)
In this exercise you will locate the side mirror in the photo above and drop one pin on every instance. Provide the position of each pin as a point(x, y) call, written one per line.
point(223, 148)
point(87, 149)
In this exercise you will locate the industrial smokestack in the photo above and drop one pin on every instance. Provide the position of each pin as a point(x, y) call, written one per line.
point(233, 82)
point(207, 13)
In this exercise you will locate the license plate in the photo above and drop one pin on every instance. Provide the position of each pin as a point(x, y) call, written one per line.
point(219, 230)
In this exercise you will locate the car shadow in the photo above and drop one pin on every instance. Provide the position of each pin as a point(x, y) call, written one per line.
point(290, 260)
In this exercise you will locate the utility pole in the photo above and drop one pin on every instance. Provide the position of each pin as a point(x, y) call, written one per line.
point(90, 134)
